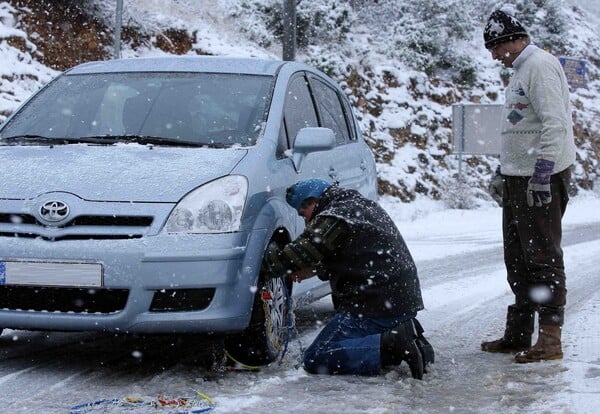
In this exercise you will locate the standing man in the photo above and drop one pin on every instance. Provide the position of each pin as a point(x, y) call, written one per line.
point(352, 242)
point(537, 152)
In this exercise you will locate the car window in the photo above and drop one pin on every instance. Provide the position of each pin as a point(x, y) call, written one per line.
point(299, 110)
point(203, 108)
point(349, 118)
point(282, 143)
point(330, 110)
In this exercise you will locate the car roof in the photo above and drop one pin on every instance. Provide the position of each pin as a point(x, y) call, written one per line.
point(209, 64)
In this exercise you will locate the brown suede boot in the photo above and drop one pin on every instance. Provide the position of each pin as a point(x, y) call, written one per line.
point(548, 346)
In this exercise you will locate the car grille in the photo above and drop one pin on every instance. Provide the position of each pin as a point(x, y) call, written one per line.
point(54, 299)
point(80, 228)
point(178, 300)
point(17, 218)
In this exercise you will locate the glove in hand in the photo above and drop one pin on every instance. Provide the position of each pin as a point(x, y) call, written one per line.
point(538, 188)
point(496, 187)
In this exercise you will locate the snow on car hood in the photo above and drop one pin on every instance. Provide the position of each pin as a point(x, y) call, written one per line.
point(123, 172)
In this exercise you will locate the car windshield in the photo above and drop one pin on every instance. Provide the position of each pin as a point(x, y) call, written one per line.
point(213, 109)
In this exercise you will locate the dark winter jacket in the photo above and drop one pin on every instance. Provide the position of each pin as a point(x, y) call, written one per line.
point(362, 253)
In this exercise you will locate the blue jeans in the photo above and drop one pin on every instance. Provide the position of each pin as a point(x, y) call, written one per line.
point(349, 345)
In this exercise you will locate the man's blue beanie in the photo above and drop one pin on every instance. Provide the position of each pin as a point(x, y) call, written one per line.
point(311, 188)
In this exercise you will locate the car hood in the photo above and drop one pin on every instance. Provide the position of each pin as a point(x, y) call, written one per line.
point(123, 172)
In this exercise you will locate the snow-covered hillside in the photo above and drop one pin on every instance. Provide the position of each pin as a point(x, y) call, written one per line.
point(403, 63)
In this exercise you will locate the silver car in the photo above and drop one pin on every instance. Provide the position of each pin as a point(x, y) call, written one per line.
point(140, 195)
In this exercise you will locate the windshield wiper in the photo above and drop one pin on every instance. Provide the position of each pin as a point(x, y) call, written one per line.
point(140, 139)
point(149, 139)
point(33, 139)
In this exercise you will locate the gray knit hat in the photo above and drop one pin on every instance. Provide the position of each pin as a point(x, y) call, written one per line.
point(502, 27)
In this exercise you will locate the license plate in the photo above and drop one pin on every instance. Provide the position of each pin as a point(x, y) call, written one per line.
point(73, 274)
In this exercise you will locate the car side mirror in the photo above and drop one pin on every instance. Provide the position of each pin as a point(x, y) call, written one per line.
point(311, 139)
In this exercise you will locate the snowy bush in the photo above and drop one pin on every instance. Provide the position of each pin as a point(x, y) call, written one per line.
point(423, 33)
point(317, 22)
point(459, 194)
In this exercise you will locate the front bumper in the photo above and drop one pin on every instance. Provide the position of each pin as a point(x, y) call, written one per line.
point(224, 266)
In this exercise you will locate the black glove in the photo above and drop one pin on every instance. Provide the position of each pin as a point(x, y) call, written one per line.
point(538, 188)
point(496, 186)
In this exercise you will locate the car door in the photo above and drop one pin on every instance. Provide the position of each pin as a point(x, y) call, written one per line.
point(349, 161)
point(300, 112)
point(311, 102)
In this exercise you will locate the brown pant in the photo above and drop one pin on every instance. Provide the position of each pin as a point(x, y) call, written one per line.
point(532, 248)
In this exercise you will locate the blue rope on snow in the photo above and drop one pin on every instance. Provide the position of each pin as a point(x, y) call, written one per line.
point(208, 405)
point(89, 406)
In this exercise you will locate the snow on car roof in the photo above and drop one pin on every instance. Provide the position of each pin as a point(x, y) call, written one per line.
point(183, 64)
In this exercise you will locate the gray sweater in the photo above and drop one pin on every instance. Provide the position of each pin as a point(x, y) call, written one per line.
point(537, 119)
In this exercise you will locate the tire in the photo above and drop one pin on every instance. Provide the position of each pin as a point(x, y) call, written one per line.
point(267, 335)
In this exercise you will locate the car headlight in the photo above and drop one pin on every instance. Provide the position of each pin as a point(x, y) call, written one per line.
point(215, 207)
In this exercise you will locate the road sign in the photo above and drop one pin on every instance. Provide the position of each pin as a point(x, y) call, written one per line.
point(575, 69)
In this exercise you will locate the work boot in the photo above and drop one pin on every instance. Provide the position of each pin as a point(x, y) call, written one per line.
point(548, 346)
point(399, 344)
point(424, 345)
point(504, 346)
point(517, 335)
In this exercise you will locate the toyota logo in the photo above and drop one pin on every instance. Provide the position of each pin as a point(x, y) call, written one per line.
point(54, 211)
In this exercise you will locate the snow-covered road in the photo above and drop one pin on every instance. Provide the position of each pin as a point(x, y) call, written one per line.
point(460, 265)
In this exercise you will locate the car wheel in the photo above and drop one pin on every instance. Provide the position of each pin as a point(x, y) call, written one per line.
point(267, 335)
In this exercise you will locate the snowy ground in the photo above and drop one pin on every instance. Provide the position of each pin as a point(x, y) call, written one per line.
point(460, 263)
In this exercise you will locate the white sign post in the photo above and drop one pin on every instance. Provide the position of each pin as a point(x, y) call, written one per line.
point(476, 130)
point(118, 25)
